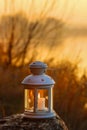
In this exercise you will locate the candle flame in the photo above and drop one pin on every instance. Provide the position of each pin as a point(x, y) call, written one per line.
point(38, 95)
point(29, 100)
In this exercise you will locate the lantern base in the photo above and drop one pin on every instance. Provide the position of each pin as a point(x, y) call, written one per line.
point(37, 115)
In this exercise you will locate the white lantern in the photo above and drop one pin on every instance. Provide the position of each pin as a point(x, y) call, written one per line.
point(38, 89)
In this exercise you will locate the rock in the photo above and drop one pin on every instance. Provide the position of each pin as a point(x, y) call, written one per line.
point(18, 122)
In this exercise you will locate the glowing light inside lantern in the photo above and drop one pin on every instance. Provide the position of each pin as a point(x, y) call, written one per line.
point(29, 100)
point(41, 103)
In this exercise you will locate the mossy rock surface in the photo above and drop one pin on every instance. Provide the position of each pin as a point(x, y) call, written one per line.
point(18, 122)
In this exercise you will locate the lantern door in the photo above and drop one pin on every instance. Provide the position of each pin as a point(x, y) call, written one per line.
point(29, 100)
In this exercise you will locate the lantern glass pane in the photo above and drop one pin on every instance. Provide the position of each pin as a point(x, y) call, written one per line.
point(29, 100)
point(42, 100)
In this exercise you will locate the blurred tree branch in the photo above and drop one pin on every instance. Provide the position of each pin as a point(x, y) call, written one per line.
point(17, 34)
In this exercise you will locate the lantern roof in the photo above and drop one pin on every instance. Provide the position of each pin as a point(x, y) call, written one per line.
point(38, 64)
point(37, 67)
point(38, 76)
point(43, 80)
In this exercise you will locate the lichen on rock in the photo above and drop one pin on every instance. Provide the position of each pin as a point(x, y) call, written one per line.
point(18, 122)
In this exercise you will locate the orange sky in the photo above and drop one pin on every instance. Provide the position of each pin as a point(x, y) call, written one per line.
point(72, 11)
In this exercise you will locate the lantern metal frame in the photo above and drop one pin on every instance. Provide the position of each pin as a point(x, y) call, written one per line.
point(38, 80)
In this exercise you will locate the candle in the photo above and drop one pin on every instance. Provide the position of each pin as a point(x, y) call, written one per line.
point(41, 103)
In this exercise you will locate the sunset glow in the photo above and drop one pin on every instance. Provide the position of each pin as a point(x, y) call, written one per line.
point(73, 13)
point(70, 11)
